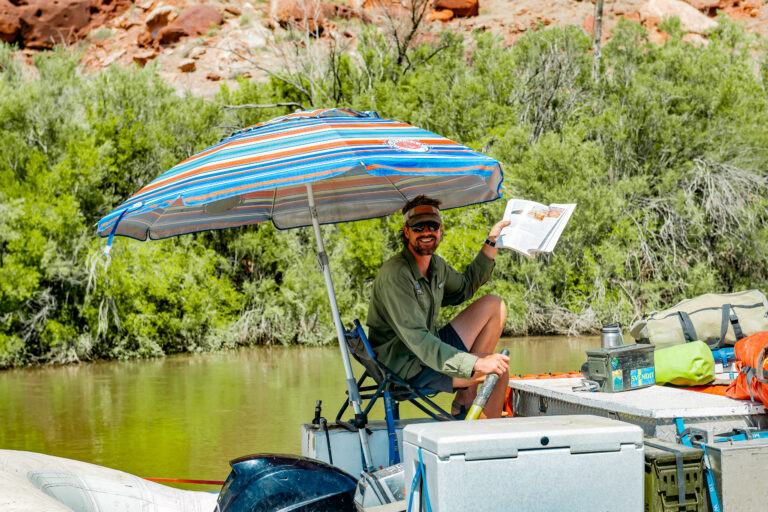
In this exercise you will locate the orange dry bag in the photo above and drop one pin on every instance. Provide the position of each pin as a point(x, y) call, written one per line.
point(752, 382)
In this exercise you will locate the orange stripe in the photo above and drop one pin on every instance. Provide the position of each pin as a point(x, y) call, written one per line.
point(252, 140)
point(235, 173)
point(271, 182)
point(289, 132)
point(422, 171)
point(338, 143)
point(253, 159)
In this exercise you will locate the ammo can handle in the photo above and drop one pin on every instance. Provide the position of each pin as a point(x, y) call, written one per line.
point(484, 393)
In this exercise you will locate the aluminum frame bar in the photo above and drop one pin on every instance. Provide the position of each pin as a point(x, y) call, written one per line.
point(354, 394)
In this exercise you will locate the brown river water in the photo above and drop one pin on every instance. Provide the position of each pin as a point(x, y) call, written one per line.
point(187, 416)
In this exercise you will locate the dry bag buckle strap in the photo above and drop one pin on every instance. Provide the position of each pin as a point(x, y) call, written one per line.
point(678, 466)
point(750, 374)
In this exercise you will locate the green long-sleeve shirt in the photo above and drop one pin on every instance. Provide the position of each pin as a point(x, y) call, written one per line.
point(404, 308)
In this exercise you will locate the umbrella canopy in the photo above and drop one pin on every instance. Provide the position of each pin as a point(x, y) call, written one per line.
point(308, 168)
point(361, 167)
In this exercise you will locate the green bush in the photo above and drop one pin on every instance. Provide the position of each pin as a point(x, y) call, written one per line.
point(664, 155)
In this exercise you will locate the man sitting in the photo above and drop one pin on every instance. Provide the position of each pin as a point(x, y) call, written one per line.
point(407, 295)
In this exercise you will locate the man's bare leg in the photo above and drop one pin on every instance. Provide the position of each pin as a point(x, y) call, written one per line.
point(480, 326)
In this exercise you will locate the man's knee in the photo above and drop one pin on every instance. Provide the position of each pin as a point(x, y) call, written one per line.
point(496, 304)
point(502, 308)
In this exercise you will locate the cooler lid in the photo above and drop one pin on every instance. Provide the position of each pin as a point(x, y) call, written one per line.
point(504, 437)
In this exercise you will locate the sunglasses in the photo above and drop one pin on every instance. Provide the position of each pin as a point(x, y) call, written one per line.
point(431, 226)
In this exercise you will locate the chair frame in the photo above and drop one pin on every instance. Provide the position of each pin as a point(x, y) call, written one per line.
point(397, 388)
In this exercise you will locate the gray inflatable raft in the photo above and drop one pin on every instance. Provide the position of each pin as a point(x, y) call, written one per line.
point(34, 482)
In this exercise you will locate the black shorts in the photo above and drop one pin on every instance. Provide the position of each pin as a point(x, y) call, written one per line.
point(432, 379)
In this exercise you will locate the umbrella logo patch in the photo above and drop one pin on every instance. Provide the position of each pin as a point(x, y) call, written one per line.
point(409, 145)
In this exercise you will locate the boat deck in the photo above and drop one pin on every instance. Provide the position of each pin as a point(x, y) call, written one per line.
point(653, 408)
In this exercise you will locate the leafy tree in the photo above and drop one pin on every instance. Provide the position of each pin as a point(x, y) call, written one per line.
point(664, 156)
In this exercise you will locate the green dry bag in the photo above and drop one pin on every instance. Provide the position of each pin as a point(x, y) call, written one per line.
point(689, 364)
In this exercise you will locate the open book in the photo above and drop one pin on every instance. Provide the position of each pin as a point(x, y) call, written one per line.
point(534, 227)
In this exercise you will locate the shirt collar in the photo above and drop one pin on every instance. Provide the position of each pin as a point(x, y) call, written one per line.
point(415, 270)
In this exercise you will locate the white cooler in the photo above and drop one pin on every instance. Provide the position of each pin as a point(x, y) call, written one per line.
point(540, 463)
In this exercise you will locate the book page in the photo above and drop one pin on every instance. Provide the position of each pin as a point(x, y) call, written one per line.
point(533, 227)
point(554, 235)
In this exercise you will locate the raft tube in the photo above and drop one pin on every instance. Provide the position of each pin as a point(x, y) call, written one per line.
point(33, 482)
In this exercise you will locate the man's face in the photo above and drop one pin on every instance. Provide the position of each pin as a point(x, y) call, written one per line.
point(424, 237)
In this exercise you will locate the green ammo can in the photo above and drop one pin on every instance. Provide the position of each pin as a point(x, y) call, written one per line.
point(662, 475)
point(622, 368)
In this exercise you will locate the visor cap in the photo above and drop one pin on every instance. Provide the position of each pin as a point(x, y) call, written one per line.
point(422, 213)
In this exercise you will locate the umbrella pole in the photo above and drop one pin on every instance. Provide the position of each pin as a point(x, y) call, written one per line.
point(354, 395)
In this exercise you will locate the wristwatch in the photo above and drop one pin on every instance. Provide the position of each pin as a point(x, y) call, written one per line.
point(490, 242)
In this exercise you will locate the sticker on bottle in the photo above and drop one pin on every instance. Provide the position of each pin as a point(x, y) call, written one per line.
point(618, 380)
point(642, 377)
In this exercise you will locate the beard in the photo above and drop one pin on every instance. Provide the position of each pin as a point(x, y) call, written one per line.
point(425, 245)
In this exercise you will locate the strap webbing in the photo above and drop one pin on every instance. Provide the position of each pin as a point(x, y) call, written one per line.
point(689, 332)
point(750, 374)
point(389, 416)
point(686, 440)
point(420, 478)
point(735, 323)
point(728, 318)
point(678, 466)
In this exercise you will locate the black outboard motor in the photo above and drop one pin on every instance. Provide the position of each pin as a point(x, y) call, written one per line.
point(267, 482)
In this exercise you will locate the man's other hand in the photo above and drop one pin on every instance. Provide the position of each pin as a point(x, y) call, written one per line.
point(496, 230)
point(493, 363)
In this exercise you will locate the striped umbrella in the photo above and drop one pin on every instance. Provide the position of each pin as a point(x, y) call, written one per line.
point(359, 166)
point(307, 168)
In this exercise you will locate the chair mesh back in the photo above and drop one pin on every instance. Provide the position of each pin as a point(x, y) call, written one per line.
point(356, 346)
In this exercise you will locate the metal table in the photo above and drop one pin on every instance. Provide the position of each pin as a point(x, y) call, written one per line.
point(653, 408)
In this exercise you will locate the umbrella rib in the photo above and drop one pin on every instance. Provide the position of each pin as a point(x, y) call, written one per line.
point(272, 208)
point(157, 218)
point(396, 189)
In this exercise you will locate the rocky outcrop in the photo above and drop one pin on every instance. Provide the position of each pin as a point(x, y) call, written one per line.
point(653, 12)
point(193, 21)
point(187, 65)
point(45, 24)
point(311, 15)
point(159, 18)
point(460, 8)
point(103, 11)
point(144, 56)
point(440, 15)
point(163, 27)
point(41, 24)
point(736, 9)
point(704, 5)
point(10, 23)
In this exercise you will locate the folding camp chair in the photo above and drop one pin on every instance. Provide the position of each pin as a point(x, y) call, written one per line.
point(387, 383)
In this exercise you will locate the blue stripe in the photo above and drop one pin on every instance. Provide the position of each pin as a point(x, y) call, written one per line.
point(297, 169)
